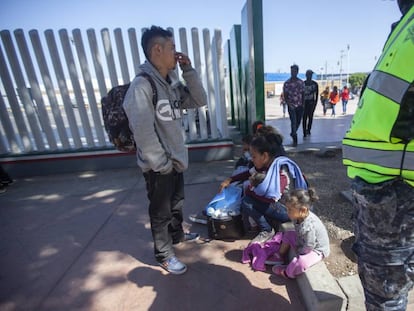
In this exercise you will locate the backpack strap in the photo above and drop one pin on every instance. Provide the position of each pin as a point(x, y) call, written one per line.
point(154, 88)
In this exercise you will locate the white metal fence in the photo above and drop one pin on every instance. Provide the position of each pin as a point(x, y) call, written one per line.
point(51, 86)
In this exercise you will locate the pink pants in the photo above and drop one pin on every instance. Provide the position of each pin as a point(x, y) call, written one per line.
point(300, 263)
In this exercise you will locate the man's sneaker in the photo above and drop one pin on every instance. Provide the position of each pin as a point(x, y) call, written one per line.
point(263, 236)
point(200, 218)
point(188, 237)
point(274, 260)
point(173, 265)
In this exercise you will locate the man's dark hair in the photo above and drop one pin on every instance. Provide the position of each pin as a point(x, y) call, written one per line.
point(149, 37)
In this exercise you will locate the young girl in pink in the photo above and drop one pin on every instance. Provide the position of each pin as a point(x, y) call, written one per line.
point(309, 240)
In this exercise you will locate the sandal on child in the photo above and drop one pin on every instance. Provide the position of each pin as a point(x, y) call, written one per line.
point(280, 270)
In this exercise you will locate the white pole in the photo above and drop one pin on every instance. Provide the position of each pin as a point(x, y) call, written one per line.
point(347, 69)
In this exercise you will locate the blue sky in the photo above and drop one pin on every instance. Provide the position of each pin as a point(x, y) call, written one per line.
point(310, 33)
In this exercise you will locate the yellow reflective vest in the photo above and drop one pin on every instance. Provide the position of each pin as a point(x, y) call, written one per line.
point(370, 150)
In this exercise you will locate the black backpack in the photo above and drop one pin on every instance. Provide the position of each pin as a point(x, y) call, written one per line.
point(115, 119)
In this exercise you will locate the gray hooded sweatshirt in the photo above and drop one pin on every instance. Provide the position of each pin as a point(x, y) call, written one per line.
point(158, 131)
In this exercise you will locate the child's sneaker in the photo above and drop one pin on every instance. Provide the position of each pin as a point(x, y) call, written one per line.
point(274, 259)
point(173, 265)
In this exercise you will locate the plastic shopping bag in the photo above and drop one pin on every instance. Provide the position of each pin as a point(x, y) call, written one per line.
point(225, 203)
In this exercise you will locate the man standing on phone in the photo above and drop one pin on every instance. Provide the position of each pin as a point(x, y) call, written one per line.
point(378, 151)
point(158, 133)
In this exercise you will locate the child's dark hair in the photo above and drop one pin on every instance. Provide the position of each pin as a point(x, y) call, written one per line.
point(247, 139)
point(300, 198)
point(149, 37)
point(268, 139)
point(257, 125)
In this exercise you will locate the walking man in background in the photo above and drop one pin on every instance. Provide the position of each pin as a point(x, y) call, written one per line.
point(311, 99)
point(293, 91)
point(378, 151)
point(161, 153)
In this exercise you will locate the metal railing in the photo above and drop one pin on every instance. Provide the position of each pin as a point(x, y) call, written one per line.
point(51, 87)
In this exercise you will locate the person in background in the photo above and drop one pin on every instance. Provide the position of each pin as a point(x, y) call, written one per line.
point(311, 99)
point(283, 104)
point(293, 91)
point(161, 152)
point(378, 151)
point(325, 99)
point(334, 99)
point(344, 98)
point(5, 180)
point(310, 238)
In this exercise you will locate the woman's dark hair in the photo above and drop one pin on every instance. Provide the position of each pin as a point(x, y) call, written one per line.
point(268, 139)
point(150, 36)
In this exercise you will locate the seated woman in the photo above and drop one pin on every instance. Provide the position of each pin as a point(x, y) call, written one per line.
point(244, 163)
point(271, 176)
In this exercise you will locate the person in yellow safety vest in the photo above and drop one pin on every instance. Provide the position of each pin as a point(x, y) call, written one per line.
point(378, 151)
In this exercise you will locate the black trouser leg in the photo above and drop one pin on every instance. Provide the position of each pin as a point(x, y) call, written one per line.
point(166, 196)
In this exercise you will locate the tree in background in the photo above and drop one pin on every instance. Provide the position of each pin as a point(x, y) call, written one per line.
point(356, 80)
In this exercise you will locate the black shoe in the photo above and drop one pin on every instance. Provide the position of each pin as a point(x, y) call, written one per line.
point(295, 140)
point(6, 181)
point(3, 188)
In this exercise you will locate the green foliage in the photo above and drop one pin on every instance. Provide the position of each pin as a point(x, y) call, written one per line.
point(357, 79)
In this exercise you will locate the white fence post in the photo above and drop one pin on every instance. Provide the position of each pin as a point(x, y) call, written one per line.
point(50, 90)
point(58, 108)
point(36, 93)
point(23, 92)
point(210, 84)
point(74, 78)
point(89, 87)
point(221, 114)
point(197, 65)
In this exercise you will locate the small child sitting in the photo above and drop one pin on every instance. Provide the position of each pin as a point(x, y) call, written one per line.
point(245, 161)
point(309, 239)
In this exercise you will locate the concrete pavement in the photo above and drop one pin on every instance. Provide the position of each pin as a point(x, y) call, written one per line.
point(81, 241)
